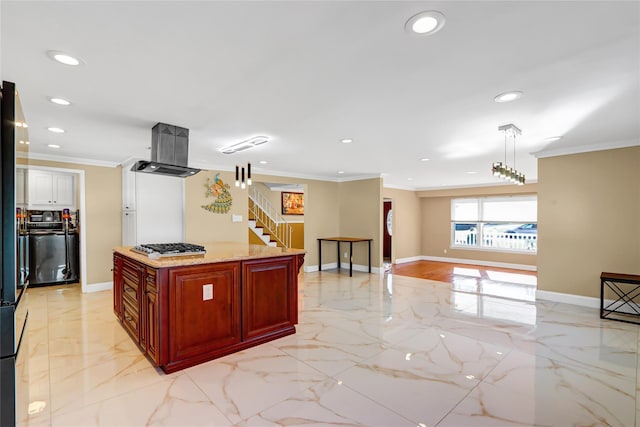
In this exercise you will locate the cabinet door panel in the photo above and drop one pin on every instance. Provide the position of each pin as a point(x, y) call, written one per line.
point(204, 309)
point(268, 296)
point(63, 191)
point(40, 188)
point(117, 286)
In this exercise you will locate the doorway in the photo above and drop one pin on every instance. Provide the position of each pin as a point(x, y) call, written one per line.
point(387, 232)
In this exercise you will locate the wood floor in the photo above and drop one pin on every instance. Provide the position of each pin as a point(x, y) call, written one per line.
point(450, 272)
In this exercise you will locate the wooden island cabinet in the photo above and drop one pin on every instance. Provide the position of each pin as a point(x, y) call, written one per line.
point(182, 311)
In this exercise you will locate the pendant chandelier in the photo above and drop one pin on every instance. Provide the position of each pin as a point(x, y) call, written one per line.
point(240, 177)
point(502, 170)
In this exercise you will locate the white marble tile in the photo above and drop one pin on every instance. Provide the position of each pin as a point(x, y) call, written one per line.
point(87, 378)
point(608, 397)
point(401, 382)
point(490, 405)
point(245, 383)
point(328, 349)
point(328, 403)
point(605, 346)
point(177, 402)
point(369, 350)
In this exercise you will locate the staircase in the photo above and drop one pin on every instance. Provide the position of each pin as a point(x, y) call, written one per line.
point(265, 221)
point(260, 232)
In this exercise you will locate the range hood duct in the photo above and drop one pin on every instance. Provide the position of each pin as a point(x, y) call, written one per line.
point(169, 152)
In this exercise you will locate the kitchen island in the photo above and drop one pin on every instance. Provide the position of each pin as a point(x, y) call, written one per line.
point(185, 310)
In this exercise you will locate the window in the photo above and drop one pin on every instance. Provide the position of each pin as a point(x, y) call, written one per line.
point(495, 223)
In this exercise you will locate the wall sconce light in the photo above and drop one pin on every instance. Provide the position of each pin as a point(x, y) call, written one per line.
point(502, 170)
point(240, 176)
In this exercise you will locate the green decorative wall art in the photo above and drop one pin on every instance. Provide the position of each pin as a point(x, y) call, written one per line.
point(218, 189)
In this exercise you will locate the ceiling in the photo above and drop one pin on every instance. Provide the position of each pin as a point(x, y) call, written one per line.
point(308, 74)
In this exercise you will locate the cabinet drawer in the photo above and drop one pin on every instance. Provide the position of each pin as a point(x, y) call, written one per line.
point(130, 319)
point(130, 296)
point(150, 281)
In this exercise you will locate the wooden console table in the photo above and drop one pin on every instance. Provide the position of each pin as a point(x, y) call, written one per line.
point(627, 289)
point(338, 240)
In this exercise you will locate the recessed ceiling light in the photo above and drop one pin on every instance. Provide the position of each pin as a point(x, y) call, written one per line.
point(59, 101)
point(508, 96)
point(263, 162)
point(53, 146)
point(409, 179)
point(55, 130)
point(471, 172)
point(425, 23)
point(424, 159)
point(346, 141)
point(63, 58)
point(340, 172)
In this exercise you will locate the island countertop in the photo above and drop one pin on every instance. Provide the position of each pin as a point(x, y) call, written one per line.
point(216, 252)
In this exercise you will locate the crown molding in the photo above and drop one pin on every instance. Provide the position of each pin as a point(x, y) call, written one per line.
point(577, 149)
point(486, 185)
point(65, 159)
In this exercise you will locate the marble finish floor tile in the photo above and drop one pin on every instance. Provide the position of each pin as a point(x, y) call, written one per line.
point(370, 350)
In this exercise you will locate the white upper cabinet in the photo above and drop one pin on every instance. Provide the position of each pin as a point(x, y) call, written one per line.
point(51, 190)
point(21, 198)
point(128, 189)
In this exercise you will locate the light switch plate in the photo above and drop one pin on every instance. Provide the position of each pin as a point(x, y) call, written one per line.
point(236, 218)
point(207, 292)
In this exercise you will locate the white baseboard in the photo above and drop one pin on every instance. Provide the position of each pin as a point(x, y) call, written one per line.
point(581, 300)
point(478, 262)
point(410, 259)
point(344, 266)
point(97, 287)
point(568, 298)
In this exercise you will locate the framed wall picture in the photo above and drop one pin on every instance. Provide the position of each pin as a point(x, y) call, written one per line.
point(292, 203)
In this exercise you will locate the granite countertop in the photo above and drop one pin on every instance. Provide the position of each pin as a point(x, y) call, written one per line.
point(216, 252)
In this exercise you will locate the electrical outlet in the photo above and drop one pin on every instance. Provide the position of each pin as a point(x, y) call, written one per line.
point(207, 292)
point(445, 251)
point(345, 255)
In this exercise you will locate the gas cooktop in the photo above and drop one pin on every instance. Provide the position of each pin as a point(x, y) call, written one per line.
point(156, 250)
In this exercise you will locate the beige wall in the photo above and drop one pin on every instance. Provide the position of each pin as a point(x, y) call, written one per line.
point(351, 208)
point(103, 222)
point(321, 218)
point(202, 226)
point(588, 219)
point(360, 207)
point(436, 224)
point(406, 223)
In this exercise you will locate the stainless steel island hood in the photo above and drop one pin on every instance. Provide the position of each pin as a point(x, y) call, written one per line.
point(169, 152)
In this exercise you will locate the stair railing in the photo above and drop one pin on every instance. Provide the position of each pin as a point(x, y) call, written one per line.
point(264, 212)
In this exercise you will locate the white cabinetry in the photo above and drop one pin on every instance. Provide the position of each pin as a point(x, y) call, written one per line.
point(51, 190)
point(152, 208)
point(128, 188)
point(21, 199)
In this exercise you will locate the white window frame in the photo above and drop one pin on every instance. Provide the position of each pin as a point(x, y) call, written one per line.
point(528, 244)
